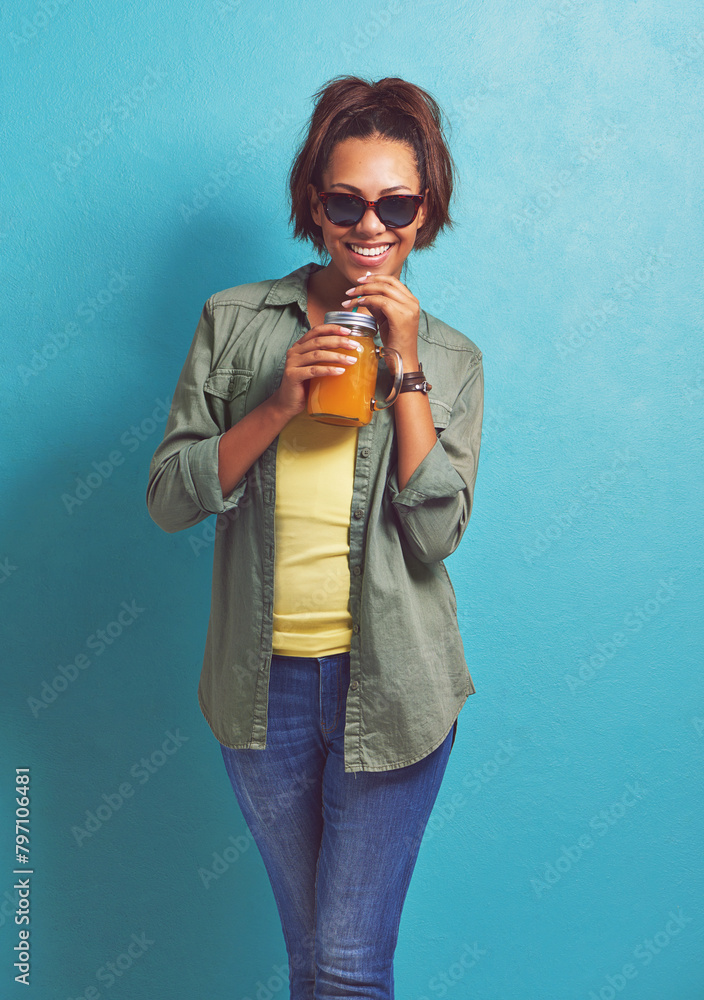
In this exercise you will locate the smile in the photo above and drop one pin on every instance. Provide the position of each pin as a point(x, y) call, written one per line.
point(377, 253)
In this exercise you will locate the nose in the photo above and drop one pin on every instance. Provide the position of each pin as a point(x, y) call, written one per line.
point(370, 225)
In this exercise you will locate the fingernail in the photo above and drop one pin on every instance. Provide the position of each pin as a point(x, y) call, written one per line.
point(346, 302)
point(349, 291)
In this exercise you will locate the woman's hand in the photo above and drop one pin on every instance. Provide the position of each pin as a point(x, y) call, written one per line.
point(323, 350)
point(395, 309)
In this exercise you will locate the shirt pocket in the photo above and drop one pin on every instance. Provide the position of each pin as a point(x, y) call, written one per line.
point(225, 391)
point(441, 414)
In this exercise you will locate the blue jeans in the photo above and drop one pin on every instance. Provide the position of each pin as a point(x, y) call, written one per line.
point(339, 847)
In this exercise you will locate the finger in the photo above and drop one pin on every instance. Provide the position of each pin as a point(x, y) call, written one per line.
point(323, 328)
point(380, 280)
point(326, 350)
point(329, 341)
point(397, 293)
point(322, 350)
point(378, 300)
point(320, 362)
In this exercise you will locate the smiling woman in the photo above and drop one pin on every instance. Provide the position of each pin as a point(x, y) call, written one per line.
point(356, 229)
point(334, 669)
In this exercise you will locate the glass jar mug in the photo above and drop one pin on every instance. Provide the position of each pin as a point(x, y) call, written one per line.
point(348, 399)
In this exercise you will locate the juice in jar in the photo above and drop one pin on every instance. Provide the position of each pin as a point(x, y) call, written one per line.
point(346, 399)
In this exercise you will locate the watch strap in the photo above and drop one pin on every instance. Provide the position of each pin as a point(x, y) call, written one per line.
point(415, 382)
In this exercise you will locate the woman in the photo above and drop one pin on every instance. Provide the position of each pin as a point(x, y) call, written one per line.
point(334, 670)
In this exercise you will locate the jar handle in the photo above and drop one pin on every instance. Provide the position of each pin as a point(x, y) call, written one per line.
point(398, 378)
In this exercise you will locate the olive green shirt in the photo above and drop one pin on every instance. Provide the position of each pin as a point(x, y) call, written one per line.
point(408, 674)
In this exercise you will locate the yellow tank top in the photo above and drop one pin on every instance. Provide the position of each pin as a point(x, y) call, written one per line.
point(315, 464)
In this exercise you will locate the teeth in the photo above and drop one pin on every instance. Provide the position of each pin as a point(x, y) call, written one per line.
point(368, 251)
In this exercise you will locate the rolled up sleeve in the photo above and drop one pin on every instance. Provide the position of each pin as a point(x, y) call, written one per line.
point(183, 486)
point(435, 505)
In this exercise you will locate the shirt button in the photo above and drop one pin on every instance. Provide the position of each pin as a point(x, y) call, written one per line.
point(359, 513)
point(365, 452)
point(355, 629)
point(356, 570)
point(354, 685)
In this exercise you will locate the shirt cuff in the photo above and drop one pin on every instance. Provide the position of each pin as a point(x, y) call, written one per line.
point(202, 482)
point(434, 478)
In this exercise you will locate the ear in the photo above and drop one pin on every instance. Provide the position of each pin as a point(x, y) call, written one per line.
point(422, 210)
point(316, 208)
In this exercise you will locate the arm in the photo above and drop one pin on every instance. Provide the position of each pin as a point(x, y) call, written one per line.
point(198, 469)
point(435, 503)
point(415, 431)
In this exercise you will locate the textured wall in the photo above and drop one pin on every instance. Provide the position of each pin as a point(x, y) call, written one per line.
point(144, 166)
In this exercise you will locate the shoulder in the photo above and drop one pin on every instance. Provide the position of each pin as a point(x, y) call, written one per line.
point(271, 293)
point(252, 295)
point(446, 338)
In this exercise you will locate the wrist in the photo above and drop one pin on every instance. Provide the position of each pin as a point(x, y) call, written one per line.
point(410, 362)
point(415, 382)
point(278, 414)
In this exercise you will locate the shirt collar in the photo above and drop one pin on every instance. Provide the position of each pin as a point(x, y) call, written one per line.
point(292, 288)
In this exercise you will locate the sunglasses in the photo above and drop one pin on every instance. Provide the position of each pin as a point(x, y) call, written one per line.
point(394, 210)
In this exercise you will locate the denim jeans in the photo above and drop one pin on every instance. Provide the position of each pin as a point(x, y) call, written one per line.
point(339, 847)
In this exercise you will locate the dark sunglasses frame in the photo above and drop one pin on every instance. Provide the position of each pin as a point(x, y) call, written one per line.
point(362, 204)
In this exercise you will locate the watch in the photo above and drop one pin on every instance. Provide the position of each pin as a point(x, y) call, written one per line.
point(415, 382)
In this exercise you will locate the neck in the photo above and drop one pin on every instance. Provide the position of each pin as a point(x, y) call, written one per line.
point(328, 287)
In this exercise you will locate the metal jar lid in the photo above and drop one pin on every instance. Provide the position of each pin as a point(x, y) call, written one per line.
point(351, 320)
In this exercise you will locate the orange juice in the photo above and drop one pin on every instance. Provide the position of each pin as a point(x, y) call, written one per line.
point(348, 398)
point(351, 393)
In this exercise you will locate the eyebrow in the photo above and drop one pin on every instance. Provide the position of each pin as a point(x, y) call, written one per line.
point(398, 187)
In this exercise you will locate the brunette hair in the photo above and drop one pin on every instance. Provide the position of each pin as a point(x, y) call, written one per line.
point(348, 107)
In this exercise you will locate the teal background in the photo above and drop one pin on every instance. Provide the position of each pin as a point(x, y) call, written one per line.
point(576, 266)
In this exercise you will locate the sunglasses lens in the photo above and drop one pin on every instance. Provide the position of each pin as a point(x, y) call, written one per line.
point(396, 212)
point(348, 209)
point(344, 209)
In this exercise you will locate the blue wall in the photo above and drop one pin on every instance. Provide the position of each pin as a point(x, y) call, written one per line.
point(145, 161)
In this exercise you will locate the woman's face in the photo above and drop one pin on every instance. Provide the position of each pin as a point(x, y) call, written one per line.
point(369, 168)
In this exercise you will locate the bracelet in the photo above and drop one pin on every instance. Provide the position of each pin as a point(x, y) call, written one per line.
point(415, 382)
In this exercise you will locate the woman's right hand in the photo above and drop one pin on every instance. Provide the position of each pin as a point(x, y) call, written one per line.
point(320, 351)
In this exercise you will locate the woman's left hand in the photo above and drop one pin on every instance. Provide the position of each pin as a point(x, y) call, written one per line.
point(395, 309)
